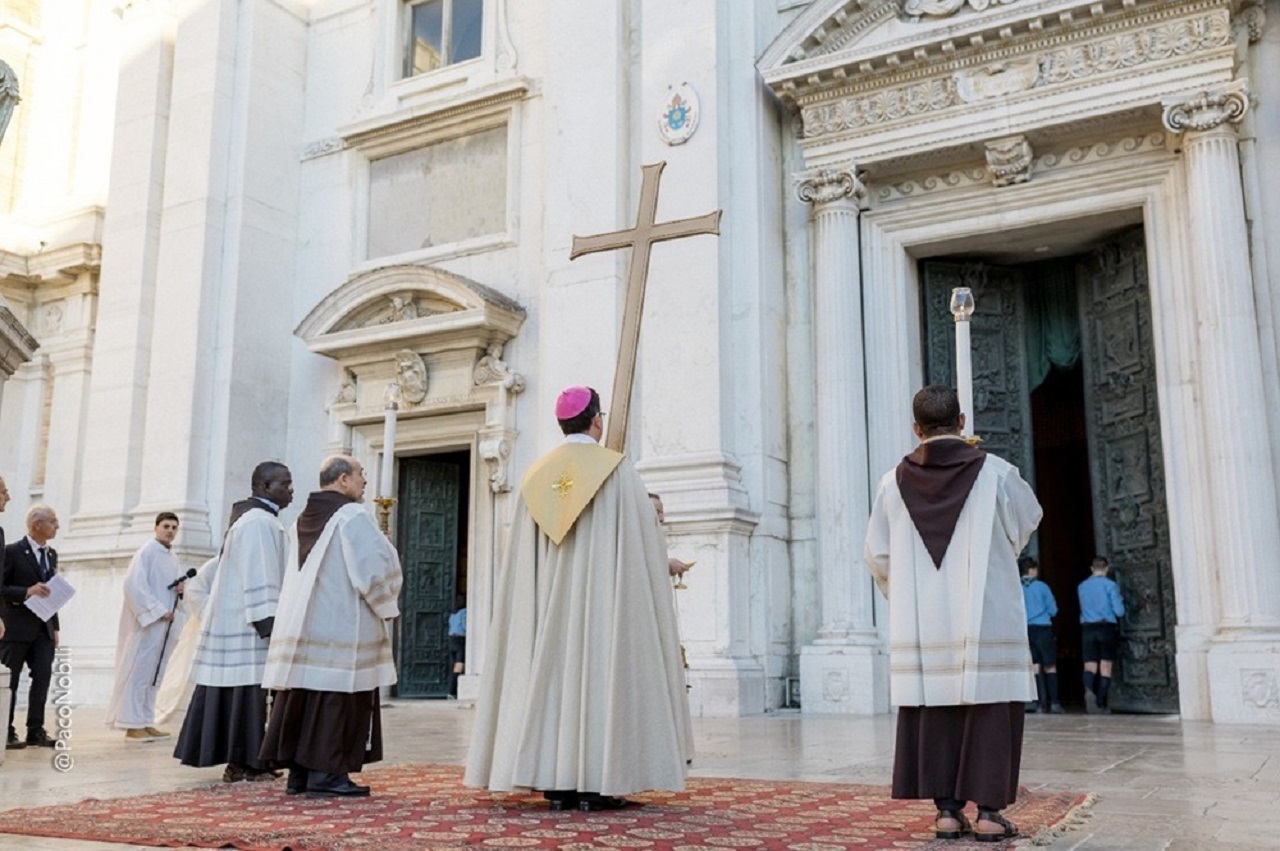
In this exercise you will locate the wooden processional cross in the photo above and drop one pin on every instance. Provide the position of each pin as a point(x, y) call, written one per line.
point(640, 240)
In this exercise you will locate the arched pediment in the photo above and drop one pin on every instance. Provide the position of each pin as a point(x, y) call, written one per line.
point(423, 307)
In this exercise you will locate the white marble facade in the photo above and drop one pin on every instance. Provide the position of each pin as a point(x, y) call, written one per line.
point(223, 222)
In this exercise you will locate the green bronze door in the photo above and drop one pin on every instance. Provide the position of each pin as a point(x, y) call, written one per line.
point(1131, 520)
point(429, 511)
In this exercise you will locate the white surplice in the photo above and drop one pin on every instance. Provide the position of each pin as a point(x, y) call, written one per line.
point(582, 686)
point(957, 634)
point(142, 639)
point(331, 631)
point(231, 593)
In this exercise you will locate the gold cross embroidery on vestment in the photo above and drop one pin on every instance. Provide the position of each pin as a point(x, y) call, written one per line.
point(563, 485)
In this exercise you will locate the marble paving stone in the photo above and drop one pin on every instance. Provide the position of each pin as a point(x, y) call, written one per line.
point(1196, 788)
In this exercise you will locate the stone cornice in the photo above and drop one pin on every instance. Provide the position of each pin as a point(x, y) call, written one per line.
point(443, 119)
point(1012, 71)
point(57, 265)
point(994, 35)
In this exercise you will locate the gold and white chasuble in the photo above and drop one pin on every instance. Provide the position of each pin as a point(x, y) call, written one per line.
point(582, 686)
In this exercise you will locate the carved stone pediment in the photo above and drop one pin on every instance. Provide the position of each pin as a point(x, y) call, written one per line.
point(834, 43)
point(431, 332)
point(873, 83)
point(398, 307)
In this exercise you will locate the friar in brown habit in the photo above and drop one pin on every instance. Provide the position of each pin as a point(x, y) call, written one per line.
point(945, 532)
point(330, 647)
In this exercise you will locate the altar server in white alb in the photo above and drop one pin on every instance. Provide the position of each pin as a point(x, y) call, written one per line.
point(946, 529)
point(235, 597)
point(331, 645)
point(150, 623)
point(582, 694)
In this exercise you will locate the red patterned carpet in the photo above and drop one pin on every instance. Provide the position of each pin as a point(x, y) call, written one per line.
point(426, 807)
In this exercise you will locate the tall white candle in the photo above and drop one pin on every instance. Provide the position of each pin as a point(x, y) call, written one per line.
point(962, 307)
point(964, 375)
point(388, 450)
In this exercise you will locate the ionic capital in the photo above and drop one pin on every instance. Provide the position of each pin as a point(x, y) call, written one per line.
point(827, 185)
point(1208, 110)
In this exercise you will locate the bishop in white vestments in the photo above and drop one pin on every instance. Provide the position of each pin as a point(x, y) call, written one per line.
point(582, 691)
point(235, 597)
point(331, 644)
point(150, 622)
point(946, 529)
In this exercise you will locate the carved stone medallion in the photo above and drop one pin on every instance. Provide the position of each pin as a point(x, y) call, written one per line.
point(411, 371)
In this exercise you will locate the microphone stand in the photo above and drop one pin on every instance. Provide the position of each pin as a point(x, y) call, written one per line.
point(160, 662)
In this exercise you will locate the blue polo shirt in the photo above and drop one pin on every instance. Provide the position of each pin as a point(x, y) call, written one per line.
point(458, 622)
point(1041, 607)
point(1100, 600)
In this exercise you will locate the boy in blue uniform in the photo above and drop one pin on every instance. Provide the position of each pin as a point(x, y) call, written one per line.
point(1100, 607)
point(1041, 607)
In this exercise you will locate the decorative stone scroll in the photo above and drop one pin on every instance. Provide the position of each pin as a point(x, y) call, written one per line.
point(946, 8)
point(1208, 110)
point(1253, 17)
point(1009, 160)
point(496, 439)
point(825, 185)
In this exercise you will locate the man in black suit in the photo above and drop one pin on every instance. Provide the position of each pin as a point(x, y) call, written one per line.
point(4, 500)
point(28, 564)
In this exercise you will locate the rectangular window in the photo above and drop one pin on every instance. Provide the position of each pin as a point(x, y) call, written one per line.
point(442, 32)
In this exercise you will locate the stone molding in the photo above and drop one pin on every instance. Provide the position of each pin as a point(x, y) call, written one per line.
point(827, 185)
point(960, 178)
point(419, 125)
point(1009, 160)
point(16, 343)
point(1208, 110)
point(918, 9)
point(1012, 73)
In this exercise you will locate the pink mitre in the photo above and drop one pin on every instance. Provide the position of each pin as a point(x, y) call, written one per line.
point(572, 401)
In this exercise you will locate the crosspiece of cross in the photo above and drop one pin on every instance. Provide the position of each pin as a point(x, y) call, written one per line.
point(640, 240)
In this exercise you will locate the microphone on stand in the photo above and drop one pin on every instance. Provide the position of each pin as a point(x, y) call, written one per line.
point(183, 578)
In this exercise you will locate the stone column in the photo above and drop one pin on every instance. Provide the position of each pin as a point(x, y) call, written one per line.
point(844, 669)
point(1247, 537)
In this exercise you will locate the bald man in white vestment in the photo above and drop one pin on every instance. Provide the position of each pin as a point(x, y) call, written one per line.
point(330, 645)
point(945, 532)
point(582, 693)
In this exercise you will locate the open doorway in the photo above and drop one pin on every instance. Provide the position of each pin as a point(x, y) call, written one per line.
point(1064, 388)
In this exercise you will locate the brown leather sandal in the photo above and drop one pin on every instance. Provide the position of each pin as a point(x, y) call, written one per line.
point(951, 824)
point(1006, 830)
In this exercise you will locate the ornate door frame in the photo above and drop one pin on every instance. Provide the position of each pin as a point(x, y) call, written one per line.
point(1146, 179)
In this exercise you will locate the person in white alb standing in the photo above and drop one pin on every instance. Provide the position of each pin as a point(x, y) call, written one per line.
point(150, 622)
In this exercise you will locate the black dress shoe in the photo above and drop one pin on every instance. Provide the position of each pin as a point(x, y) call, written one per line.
point(590, 802)
point(13, 743)
point(39, 739)
point(321, 785)
point(559, 800)
point(297, 781)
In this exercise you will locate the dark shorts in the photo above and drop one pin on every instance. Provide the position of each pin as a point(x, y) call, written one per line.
point(1044, 645)
point(1099, 641)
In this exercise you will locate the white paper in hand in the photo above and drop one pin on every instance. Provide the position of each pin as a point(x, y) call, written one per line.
point(60, 591)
